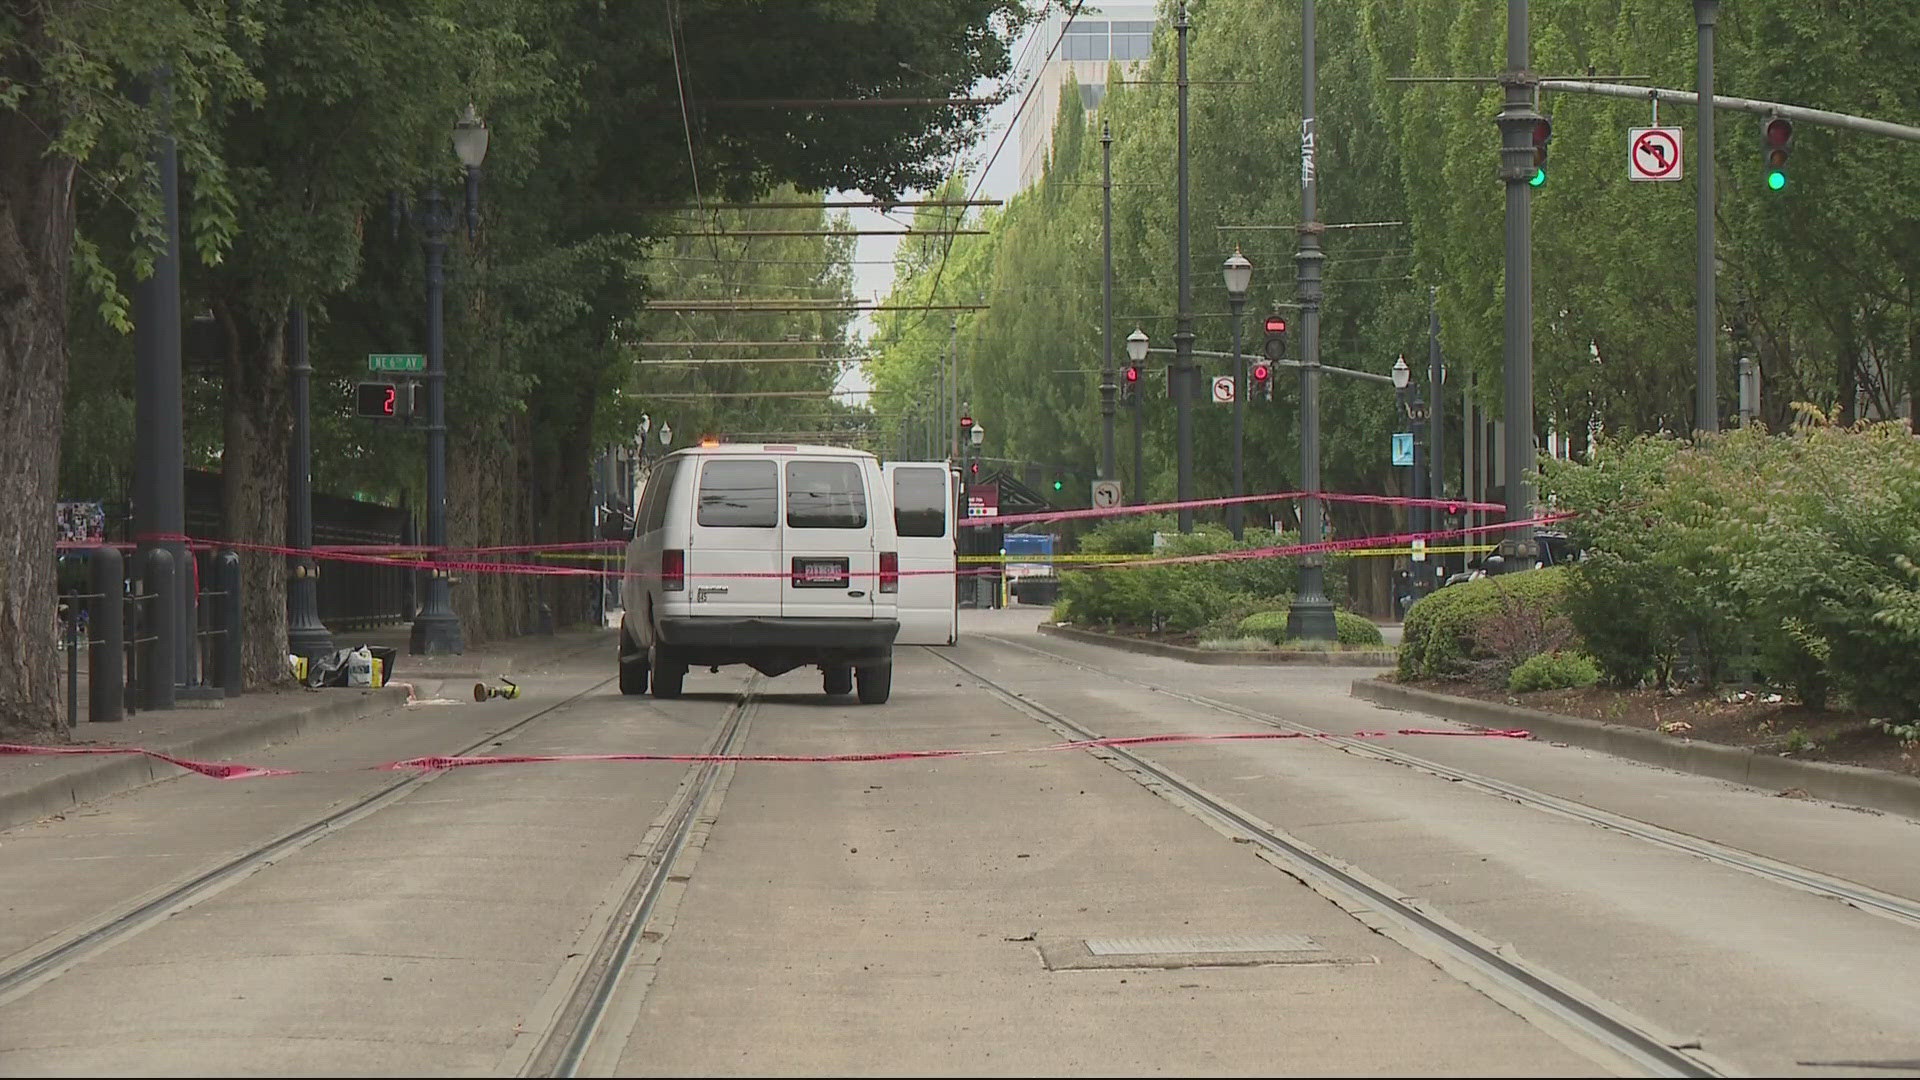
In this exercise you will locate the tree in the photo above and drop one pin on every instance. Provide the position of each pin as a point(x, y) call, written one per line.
point(68, 118)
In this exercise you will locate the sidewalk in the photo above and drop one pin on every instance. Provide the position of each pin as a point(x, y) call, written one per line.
point(35, 786)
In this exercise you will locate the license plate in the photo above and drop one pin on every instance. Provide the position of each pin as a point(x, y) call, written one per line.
point(820, 574)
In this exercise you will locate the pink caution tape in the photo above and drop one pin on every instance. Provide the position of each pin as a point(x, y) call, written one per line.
point(218, 770)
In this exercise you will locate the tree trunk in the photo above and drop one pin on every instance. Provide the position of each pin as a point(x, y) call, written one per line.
point(36, 247)
point(253, 469)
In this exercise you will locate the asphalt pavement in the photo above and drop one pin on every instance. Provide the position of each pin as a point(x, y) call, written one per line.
point(1020, 910)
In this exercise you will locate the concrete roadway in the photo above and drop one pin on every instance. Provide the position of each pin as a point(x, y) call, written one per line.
point(928, 917)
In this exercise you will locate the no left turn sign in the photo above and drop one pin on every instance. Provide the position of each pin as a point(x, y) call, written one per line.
point(1653, 153)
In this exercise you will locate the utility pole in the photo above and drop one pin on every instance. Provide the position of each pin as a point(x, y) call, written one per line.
point(1183, 322)
point(1107, 387)
point(1706, 404)
point(1311, 616)
point(1517, 120)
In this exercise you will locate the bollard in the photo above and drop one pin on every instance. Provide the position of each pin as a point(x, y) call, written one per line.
point(161, 624)
point(70, 607)
point(227, 574)
point(106, 676)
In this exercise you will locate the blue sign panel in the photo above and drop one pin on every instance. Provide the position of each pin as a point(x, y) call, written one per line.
point(1403, 448)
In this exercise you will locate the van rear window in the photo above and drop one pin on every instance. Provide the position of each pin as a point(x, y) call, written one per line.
point(919, 502)
point(826, 495)
point(739, 495)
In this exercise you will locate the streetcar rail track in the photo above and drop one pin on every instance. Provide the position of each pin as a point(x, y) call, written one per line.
point(1583, 1014)
point(1862, 897)
point(21, 978)
point(572, 1039)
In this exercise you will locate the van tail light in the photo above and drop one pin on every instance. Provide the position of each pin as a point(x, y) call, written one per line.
point(889, 571)
point(673, 571)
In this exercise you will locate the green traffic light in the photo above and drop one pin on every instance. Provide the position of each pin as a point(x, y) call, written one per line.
point(1776, 179)
point(1539, 178)
point(1057, 485)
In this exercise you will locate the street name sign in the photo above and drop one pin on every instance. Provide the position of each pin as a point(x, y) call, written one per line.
point(396, 362)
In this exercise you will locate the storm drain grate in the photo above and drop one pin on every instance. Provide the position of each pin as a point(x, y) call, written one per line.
point(1201, 943)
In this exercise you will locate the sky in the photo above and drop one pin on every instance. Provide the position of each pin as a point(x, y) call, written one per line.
point(873, 255)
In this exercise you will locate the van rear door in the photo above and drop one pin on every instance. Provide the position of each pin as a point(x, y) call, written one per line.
point(733, 558)
point(832, 569)
point(923, 504)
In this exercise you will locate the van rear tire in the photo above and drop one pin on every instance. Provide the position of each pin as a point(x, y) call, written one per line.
point(669, 676)
point(836, 679)
point(633, 668)
point(876, 683)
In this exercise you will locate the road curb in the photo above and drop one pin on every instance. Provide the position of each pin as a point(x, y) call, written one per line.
point(1849, 784)
point(1275, 658)
point(112, 775)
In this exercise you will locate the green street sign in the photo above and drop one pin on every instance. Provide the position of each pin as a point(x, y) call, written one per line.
point(396, 362)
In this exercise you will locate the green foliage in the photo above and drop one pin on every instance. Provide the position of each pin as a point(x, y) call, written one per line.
point(1788, 557)
point(1442, 635)
point(1553, 671)
point(1131, 534)
point(1354, 631)
point(1269, 626)
point(1357, 630)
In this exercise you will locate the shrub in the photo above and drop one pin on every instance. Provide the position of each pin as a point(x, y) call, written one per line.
point(1356, 629)
point(1791, 553)
point(1553, 671)
point(1269, 626)
point(1442, 633)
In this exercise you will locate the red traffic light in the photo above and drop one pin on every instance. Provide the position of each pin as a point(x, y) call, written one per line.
point(966, 422)
point(1132, 374)
point(1276, 324)
point(1261, 372)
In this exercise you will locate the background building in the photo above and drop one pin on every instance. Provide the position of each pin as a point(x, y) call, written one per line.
point(1110, 33)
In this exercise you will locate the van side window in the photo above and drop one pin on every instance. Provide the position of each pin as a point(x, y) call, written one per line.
point(825, 495)
point(919, 502)
point(739, 495)
point(659, 492)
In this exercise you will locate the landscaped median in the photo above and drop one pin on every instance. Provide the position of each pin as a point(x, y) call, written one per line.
point(1348, 656)
point(1746, 606)
point(1230, 611)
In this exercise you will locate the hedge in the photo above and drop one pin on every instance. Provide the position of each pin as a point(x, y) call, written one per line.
point(1783, 559)
point(1446, 632)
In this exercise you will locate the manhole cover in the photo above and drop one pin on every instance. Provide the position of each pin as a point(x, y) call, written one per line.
point(1201, 943)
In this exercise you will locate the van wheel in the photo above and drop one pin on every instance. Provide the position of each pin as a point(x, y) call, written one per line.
point(837, 679)
point(633, 667)
point(876, 683)
point(668, 677)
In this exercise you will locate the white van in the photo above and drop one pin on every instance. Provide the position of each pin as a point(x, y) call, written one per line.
point(773, 556)
point(924, 505)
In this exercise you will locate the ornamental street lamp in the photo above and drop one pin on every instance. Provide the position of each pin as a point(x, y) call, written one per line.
point(436, 628)
point(1239, 274)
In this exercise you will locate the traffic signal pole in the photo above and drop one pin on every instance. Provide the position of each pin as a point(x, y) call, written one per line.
point(1517, 123)
point(1183, 322)
point(1706, 322)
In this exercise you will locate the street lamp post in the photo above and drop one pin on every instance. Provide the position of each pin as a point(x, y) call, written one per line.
point(1239, 274)
point(436, 628)
point(1311, 616)
point(1414, 407)
point(306, 635)
point(1183, 320)
point(1137, 352)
